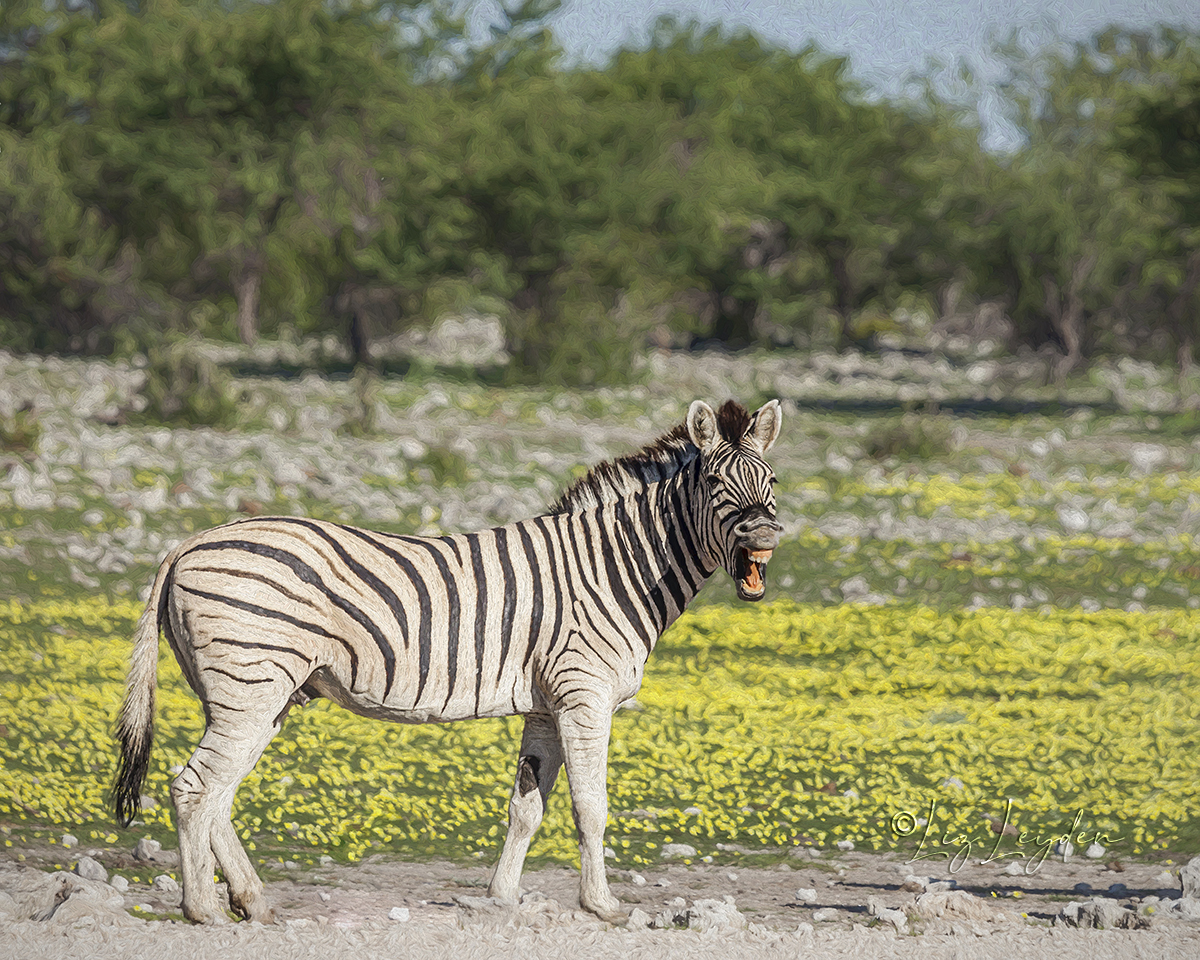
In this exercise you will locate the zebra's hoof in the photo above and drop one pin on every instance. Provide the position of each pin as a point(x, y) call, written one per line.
point(253, 911)
point(213, 918)
point(609, 911)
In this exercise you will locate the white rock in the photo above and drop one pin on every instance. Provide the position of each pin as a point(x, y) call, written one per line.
point(165, 884)
point(845, 845)
point(91, 869)
point(323, 896)
point(1094, 851)
point(670, 850)
point(855, 587)
point(805, 929)
point(1146, 457)
point(638, 919)
point(887, 914)
point(1073, 519)
point(637, 879)
point(957, 905)
point(715, 916)
point(401, 914)
point(1064, 848)
point(806, 895)
point(838, 463)
point(69, 840)
point(825, 914)
point(68, 898)
point(1189, 877)
point(146, 849)
point(1100, 912)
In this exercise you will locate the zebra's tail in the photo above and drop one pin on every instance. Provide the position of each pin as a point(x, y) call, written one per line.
point(135, 726)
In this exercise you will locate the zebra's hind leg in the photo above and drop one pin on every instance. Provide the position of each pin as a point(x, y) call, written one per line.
point(537, 769)
point(584, 730)
point(203, 795)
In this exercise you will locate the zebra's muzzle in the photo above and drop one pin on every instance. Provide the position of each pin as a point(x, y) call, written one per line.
point(758, 536)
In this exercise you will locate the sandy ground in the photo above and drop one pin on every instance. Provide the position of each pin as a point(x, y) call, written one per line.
point(337, 912)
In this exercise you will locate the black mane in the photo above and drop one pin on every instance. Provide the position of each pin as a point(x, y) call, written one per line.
point(660, 460)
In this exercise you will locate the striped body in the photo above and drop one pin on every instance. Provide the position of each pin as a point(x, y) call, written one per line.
point(417, 629)
point(552, 618)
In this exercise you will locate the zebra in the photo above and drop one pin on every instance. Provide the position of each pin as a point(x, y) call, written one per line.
point(552, 618)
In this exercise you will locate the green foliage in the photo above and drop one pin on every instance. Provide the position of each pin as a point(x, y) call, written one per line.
point(448, 466)
point(242, 168)
point(20, 432)
point(913, 437)
point(1076, 230)
point(185, 387)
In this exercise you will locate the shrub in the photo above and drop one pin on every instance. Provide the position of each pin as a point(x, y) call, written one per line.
point(186, 388)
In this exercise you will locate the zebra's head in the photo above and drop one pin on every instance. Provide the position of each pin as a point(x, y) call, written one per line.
point(740, 515)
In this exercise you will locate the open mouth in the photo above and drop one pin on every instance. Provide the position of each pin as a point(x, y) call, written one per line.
point(752, 565)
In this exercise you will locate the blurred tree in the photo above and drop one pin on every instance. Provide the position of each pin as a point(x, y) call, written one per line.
point(546, 168)
point(67, 276)
point(783, 199)
point(255, 151)
point(1157, 128)
point(1072, 232)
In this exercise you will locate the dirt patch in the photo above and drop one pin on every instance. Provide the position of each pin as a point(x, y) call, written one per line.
point(826, 904)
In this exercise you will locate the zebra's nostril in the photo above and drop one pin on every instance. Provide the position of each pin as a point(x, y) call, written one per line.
point(761, 534)
point(757, 525)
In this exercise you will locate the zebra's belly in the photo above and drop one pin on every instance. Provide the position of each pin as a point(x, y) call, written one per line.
point(432, 709)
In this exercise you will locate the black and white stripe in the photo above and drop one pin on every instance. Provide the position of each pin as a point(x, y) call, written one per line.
point(552, 617)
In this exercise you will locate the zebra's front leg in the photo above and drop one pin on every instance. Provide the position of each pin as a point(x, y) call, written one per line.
point(584, 731)
point(537, 770)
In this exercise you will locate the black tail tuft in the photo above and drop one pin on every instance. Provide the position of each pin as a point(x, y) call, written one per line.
point(131, 773)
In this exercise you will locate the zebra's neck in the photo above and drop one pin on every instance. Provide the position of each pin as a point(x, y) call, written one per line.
point(653, 551)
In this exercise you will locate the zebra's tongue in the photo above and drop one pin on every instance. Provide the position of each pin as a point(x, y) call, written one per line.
point(753, 580)
point(755, 561)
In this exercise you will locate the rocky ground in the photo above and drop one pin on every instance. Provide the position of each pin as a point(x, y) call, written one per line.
point(96, 496)
point(828, 904)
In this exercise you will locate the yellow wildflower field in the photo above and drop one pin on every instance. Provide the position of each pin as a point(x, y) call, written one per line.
point(761, 726)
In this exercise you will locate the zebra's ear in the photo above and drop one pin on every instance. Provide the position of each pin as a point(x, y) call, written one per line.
point(764, 427)
point(702, 425)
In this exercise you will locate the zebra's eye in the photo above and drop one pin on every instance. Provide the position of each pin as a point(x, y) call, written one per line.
point(713, 478)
